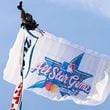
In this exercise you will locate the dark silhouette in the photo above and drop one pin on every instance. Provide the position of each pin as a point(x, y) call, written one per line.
point(27, 19)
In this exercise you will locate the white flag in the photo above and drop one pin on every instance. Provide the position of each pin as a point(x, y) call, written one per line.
point(58, 69)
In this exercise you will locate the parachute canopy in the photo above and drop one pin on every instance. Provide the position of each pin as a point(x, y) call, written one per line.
point(58, 69)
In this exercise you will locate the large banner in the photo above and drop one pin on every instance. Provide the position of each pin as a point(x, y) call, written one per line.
point(58, 69)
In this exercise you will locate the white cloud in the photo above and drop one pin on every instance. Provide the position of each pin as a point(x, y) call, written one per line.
point(97, 6)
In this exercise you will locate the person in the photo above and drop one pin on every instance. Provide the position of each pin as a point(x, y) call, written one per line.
point(27, 20)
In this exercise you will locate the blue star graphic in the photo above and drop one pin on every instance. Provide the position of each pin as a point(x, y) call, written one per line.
point(69, 69)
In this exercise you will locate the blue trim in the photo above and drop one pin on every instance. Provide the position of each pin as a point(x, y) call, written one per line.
point(30, 58)
point(20, 106)
point(31, 34)
point(31, 50)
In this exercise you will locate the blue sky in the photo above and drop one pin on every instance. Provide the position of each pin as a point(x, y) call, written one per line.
point(85, 22)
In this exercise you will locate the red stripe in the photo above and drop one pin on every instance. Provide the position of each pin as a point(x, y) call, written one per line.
point(17, 97)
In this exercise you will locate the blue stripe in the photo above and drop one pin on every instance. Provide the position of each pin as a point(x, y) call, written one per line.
point(30, 59)
point(31, 50)
point(31, 34)
point(20, 106)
